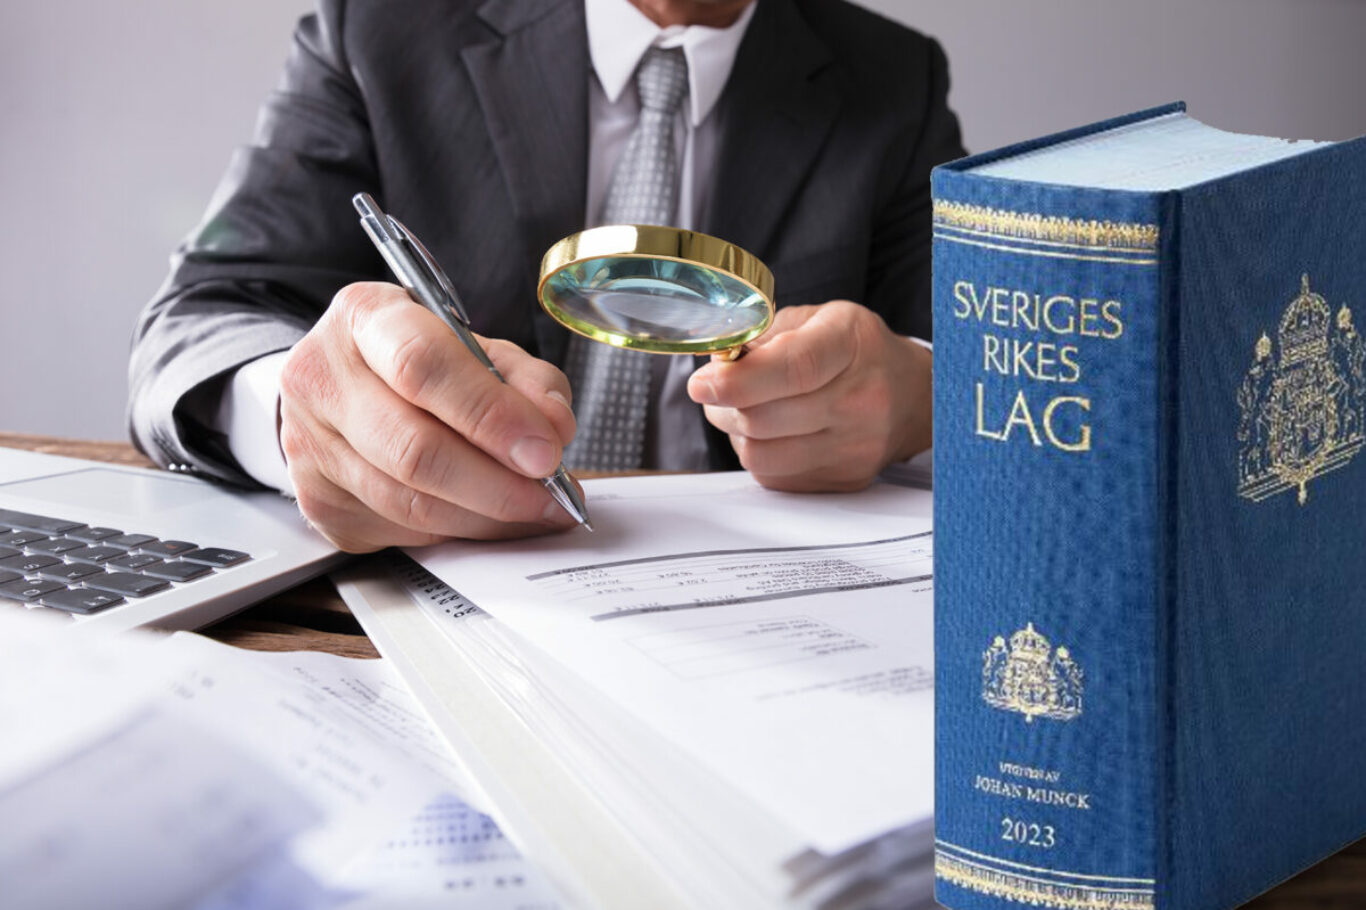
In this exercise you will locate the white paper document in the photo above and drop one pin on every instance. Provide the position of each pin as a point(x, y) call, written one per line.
point(343, 732)
point(147, 772)
point(782, 641)
point(709, 840)
point(149, 816)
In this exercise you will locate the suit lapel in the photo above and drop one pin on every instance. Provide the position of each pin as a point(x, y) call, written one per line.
point(531, 78)
point(775, 115)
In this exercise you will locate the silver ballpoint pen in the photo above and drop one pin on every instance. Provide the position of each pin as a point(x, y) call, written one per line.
point(427, 284)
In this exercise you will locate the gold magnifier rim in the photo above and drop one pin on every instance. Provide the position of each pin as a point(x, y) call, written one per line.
point(652, 241)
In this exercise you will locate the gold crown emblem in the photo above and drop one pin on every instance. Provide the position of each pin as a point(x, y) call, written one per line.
point(1263, 347)
point(1031, 677)
point(1304, 326)
point(1302, 414)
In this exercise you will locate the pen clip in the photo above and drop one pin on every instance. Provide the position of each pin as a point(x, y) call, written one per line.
point(435, 271)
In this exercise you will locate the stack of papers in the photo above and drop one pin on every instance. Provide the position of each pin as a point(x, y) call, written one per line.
point(147, 772)
point(721, 698)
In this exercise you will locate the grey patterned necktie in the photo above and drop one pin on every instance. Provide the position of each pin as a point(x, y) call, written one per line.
point(612, 385)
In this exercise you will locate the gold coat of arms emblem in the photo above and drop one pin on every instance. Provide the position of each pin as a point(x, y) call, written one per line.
point(1302, 405)
point(1031, 677)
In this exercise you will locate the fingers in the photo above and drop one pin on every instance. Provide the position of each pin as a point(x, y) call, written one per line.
point(415, 471)
point(825, 403)
point(541, 383)
point(351, 525)
point(826, 461)
point(419, 358)
point(802, 353)
point(365, 402)
point(799, 415)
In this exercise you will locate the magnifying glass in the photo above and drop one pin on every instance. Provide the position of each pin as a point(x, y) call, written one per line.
point(660, 289)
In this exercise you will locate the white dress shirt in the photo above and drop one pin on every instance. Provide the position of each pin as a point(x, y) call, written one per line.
point(618, 36)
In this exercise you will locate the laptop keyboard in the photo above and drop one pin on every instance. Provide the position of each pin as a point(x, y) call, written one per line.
point(74, 567)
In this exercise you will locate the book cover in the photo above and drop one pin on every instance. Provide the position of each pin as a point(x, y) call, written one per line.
point(1150, 522)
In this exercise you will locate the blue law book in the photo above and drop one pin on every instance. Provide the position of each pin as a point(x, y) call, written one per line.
point(1150, 396)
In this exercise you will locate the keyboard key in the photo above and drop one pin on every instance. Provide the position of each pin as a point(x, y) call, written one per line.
point(43, 523)
point(128, 541)
point(69, 572)
point(9, 551)
point(95, 554)
point(54, 545)
point(216, 556)
point(134, 561)
point(125, 583)
point(29, 591)
point(28, 564)
point(17, 538)
point(79, 600)
point(178, 570)
point(167, 548)
point(94, 535)
point(7, 575)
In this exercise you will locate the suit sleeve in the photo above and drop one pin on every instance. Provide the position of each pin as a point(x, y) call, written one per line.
point(276, 244)
point(899, 256)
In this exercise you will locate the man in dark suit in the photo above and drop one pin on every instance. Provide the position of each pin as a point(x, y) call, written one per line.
point(484, 126)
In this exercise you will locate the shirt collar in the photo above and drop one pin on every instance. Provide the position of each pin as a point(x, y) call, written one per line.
point(619, 35)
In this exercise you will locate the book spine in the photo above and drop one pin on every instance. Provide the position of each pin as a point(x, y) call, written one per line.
point(1048, 410)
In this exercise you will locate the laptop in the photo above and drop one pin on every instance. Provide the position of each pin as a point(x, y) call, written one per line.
point(122, 547)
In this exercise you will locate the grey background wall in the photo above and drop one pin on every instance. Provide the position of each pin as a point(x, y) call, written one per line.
point(116, 120)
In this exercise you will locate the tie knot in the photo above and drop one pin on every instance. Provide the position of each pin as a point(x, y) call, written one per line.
point(662, 79)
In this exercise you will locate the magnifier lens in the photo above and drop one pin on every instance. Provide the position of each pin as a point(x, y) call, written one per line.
point(657, 301)
point(653, 296)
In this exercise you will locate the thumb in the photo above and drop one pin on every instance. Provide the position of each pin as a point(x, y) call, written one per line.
point(787, 319)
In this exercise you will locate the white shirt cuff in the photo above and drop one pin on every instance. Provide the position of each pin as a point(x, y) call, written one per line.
point(248, 415)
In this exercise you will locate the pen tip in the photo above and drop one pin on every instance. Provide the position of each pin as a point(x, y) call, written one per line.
point(588, 524)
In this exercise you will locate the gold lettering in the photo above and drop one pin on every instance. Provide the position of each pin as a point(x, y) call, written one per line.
point(958, 289)
point(981, 429)
point(1063, 798)
point(1059, 314)
point(1026, 310)
point(1067, 355)
point(1021, 365)
point(1000, 306)
point(992, 356)
point(1020, 416)
point(1047, 363)
point(1089, 317)
point(1011, 769)
point(1109, 310)
point(1055, 328)
point(999, 787)
point(1083, 442)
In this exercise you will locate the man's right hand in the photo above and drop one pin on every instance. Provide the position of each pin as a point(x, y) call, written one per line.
point(395, 435)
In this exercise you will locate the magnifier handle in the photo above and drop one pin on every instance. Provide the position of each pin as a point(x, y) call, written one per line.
point(730, 355)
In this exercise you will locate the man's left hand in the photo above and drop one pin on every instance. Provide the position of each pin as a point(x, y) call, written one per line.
point(823, 401)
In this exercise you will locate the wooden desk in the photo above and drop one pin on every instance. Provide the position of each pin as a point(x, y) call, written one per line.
point(313, 617)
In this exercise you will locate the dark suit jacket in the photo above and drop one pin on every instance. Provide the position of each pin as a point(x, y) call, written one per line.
point(468, 120)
